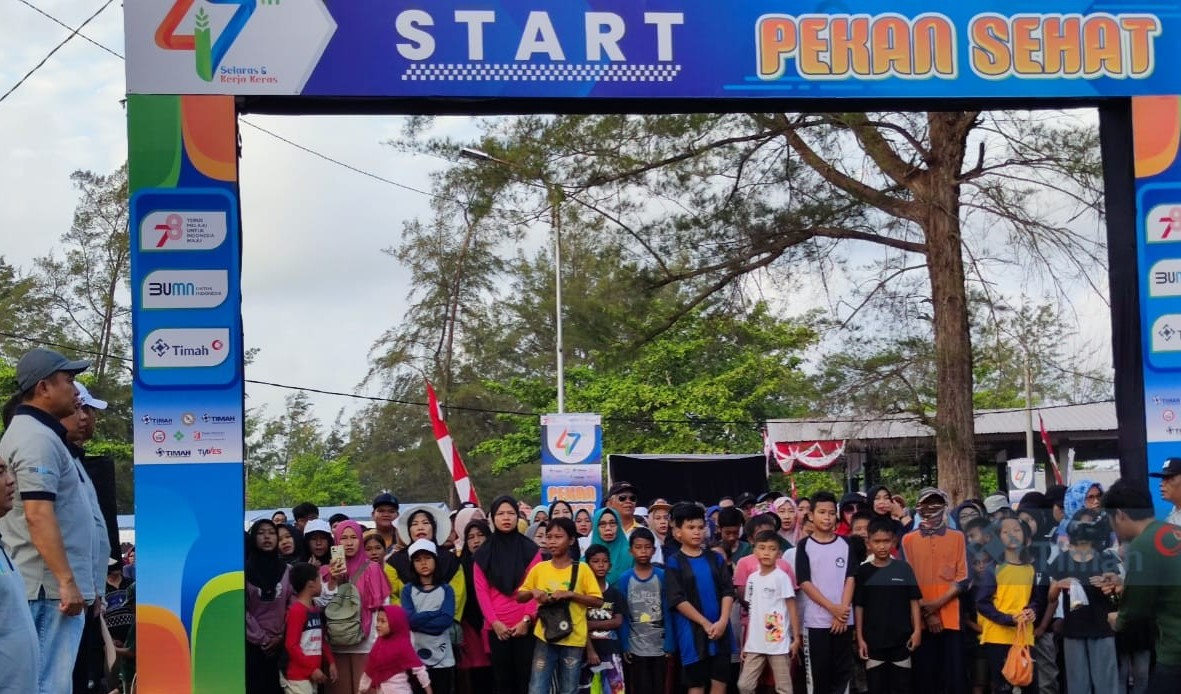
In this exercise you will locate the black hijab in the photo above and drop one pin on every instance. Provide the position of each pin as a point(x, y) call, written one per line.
point(264, 570)
point(446, 565)
point(300, 553)
point(505, 557)
point(899, 531)
point(472, 614)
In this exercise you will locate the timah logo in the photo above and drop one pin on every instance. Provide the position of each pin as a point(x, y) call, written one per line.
point(186, 347)
point(208, 51)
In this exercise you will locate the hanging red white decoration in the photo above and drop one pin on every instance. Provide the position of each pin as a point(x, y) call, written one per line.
point(810, 455)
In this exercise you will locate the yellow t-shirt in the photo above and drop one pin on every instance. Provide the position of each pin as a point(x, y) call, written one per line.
point(1014, 586)
point(546, 578)
point(395, 584)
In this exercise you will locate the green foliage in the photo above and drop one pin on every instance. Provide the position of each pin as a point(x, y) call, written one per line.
point(893, 371)
point(699, 387)
point(529, 490)
point(308, 478)
point(809, 482)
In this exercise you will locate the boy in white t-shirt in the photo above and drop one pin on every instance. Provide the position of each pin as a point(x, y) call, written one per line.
point(773, 634)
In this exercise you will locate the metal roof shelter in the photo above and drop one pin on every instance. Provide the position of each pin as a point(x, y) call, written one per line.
point(1091, 420)
point(1091, 429)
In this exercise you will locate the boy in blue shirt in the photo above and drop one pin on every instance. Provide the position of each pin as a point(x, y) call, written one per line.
point(700, 595)
point(645, 636)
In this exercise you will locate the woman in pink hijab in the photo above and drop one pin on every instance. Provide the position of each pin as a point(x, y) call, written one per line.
point(374, 588)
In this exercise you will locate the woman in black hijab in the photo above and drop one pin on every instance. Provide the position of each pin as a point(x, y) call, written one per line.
point(291, 546)
point(500, 567)
point(267, 596)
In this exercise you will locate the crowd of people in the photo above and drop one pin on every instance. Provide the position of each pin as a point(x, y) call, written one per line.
point(1076, 590)
point(820, 594)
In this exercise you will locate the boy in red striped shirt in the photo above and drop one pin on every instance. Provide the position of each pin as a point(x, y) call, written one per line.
point(307, 649)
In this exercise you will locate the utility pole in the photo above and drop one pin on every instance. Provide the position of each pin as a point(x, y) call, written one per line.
point(554, 193)
point(1028, 406)
point(556, 224)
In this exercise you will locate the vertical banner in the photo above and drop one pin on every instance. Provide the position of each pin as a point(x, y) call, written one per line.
point(187, 393)
point(1022, 478)
point(572, 460)
point(1156, 125)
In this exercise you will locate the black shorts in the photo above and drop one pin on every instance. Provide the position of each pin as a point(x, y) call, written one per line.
point(699, 674)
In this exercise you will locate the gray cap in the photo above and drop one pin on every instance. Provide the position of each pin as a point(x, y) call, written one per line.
point(40, 363)
point(996, 502)
point(927, 492)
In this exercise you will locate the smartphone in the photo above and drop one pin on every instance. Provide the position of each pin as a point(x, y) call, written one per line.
point(337, 554)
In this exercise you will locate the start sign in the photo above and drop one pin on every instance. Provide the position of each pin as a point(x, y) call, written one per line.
point(651, 49)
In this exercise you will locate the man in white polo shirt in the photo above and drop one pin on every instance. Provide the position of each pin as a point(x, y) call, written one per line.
point(51, 531)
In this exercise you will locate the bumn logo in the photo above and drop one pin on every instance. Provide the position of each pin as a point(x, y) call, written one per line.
point(186, 347)
point(185, 288)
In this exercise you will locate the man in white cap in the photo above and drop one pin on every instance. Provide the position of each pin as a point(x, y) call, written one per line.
point(51, 531)
point(1170, 488)
point(89, 666)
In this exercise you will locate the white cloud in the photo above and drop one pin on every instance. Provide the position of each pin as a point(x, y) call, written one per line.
point(317, 290)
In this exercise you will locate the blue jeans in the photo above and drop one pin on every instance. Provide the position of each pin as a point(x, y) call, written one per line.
point(565, 661)
point(58, 637)
point(1091, 666)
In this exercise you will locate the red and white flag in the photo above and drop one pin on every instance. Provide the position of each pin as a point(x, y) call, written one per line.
point(463, 483)
point(1049, 448)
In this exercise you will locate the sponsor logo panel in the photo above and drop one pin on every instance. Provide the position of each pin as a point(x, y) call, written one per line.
point(183, 289)
point(186, 347)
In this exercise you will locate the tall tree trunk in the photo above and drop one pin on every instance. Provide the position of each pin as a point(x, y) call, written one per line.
point(939, 195)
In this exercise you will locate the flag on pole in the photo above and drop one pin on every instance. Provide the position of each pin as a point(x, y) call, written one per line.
point(1049, 448)
point(768, 451)
point(463, 483)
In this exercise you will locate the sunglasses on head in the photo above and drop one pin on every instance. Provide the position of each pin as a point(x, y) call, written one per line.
point(626, 497)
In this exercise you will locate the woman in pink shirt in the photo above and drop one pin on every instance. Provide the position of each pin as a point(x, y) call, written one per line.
point(501, 565)
point(374, 588)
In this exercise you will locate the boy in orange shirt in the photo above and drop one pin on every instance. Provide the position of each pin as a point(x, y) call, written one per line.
point(938, 556)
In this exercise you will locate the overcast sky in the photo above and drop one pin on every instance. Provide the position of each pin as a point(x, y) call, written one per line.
point(317, 291)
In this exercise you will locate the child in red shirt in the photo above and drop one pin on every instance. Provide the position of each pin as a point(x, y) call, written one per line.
point(307, 649)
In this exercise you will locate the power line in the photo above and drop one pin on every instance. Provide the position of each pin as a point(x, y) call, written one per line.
point(346, 165)
point(56, 48)
point(701, 421)
point(77, 31)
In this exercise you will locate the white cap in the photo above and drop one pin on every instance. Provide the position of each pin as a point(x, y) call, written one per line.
point(642, 511)
point(317, 526)
point(421, 546)
point(89, 400)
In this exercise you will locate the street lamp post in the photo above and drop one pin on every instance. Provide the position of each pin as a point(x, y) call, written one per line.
point(554, 195)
